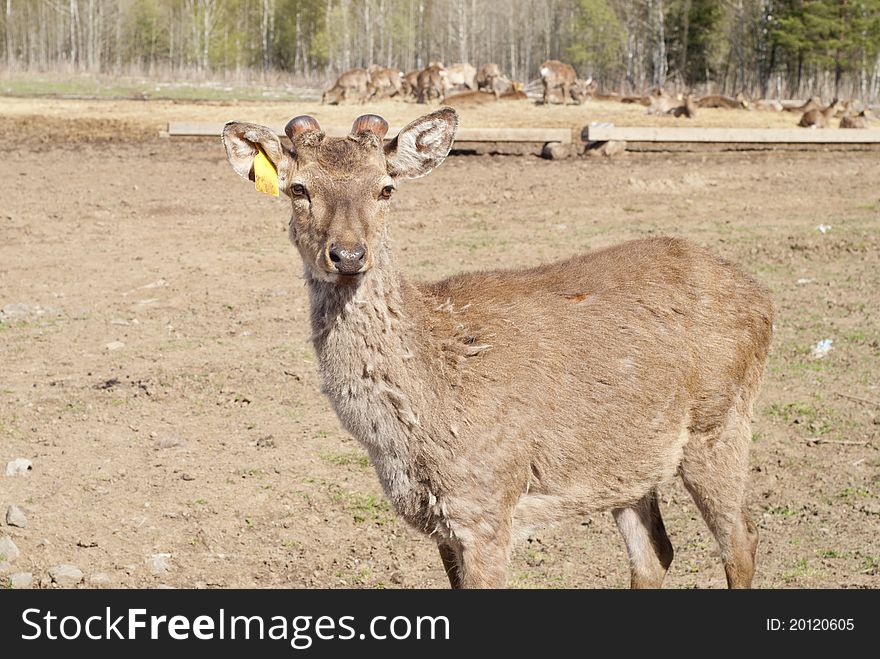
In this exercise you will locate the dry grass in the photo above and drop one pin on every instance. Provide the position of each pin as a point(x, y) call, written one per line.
point(145, 118)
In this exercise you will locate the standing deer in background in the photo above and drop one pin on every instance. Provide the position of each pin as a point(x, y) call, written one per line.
point(559, 75)
point(494, 403)
point(384, 82)
point(431, 82)
point(490, 79)
point(353, 84)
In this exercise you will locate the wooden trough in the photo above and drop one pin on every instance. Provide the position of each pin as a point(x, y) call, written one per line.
point(644, 138)
point(549, 142)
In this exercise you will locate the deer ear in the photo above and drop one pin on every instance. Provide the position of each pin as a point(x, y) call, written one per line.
point(422, 145)
point(243, 141)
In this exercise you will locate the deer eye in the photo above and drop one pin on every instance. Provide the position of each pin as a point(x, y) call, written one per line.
point(387, 191)
point(298, 189)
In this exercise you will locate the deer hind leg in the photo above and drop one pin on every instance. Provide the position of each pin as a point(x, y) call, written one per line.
point(650, 552)
point(714, 470)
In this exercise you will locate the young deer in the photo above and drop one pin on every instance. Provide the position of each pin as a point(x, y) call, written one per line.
point(493, 403)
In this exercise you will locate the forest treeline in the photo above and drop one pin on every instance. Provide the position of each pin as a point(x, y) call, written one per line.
point(778, 48)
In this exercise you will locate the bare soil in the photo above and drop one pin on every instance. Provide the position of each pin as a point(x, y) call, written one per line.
point(204, 435)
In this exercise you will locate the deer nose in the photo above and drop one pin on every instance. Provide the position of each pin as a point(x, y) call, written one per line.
point(347, 260)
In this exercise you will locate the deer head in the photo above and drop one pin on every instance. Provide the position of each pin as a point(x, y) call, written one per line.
point(340, 188)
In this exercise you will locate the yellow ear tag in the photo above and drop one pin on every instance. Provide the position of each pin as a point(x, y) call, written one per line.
point(265, 174)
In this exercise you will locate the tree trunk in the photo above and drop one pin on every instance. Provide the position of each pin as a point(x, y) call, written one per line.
point(7, 24)
point(660, 62)
point(683, 45)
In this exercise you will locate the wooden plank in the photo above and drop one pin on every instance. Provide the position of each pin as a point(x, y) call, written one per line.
point(542, 135)
point(606, 133)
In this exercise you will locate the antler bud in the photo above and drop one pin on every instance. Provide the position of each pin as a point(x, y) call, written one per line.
point(301, 124)
point(370, 122)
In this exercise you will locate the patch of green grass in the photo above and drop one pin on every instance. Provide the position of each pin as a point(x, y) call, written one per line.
point(342, 459)
point(363, 507)
point(871, 565)
point(817, 420)
point(633, 209)
point(782, 511)
point(800, 570)
point(852, 492)
point(832, 553)
point(858, 336)
point(535, 557)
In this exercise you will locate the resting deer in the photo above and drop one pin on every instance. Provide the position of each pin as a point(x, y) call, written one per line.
point(818, 118)
point(494, 403)
point(861, 120)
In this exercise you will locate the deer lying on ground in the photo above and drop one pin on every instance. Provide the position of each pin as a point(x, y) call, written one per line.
point(814, 103)
point(494, 403)
point(661, 102)
point(461, 77)
point(687, 109)
point(818, 118)
point(861, 120)
point(716, 101)
point(483, 98)
point(353, 84)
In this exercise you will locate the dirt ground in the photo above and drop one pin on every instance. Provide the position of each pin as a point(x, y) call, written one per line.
point(155, 364)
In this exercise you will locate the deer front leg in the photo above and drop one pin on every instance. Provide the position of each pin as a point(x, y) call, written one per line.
point(483, 555)
point(566, 93)
point(449, 556)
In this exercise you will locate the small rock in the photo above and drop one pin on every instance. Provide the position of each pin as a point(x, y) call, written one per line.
point(14, 517)
point(8, 551)
point(21, 579)
point(19, 467)
point(14, 312)
point(99, 579)
point(119, 321)
point(187, 477)
point(66, 575)
point(114, 345)
point(608, 149)
point(169, 442)
point(397, 577)
point(159, 563)
point(555, 151)
point(86, 544)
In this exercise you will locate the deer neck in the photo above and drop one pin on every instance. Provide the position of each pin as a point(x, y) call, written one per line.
point(376, 368)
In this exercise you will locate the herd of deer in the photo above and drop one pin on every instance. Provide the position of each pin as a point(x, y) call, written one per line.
point(457, 84)
point(462, 84)
point(814, 113)
point(435, 81)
